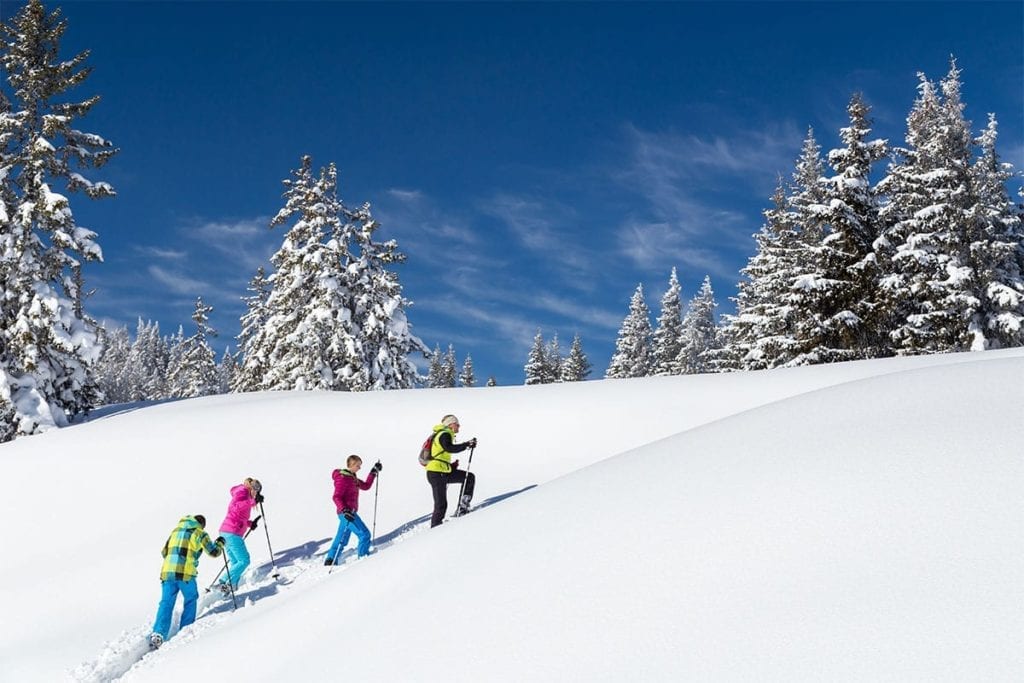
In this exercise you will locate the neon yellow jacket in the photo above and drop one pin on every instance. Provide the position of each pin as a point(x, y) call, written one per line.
point(442, 459)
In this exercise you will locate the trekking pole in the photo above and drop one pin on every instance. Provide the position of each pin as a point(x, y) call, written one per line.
point(376, 484)
point(234, 603)
point(463, 487)
point(272, 563)
point(210, 587)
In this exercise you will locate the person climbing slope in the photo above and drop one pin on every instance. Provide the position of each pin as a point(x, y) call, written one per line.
point(346, 501)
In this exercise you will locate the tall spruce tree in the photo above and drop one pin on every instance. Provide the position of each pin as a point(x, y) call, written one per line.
point(537, 368)
point(837, 294)
point(379, 308)
point(928, 287)
point(309, 340)
point(634, 355)
point(467, 378)
point(762, 333)
point(449, 365)
point(668, 334)
point(48, 346)
point(576, 366)
point(248, 376)
point(699, 337)
point(997, 250)
point(554, 358)
point(435, 369)
point(195, 372)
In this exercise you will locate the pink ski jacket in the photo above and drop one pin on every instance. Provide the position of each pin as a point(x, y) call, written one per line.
point(237, 519)
point(346, 489)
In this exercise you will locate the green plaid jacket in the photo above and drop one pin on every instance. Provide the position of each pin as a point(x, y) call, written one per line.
point(182, 550)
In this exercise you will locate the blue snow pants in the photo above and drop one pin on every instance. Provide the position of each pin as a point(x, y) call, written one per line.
point(238, 557)
point(168, 596)
point(345, 530)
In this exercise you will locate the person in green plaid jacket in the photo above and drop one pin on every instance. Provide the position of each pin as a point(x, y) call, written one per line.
point(181, 555)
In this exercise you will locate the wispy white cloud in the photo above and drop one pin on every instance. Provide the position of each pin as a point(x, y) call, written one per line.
point(407, 196)
point(248, 242)
point(178, 282)
point(161, 253)
point(575, 311)
point(697, 194)
point(544, 226)
point(651, 245)
point(416, 220)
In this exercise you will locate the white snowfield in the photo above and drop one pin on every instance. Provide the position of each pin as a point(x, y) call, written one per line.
point(858, 521)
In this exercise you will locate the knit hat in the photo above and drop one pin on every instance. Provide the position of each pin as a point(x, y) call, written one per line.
point(201, 520)
point(254, 484)
point(449, 420)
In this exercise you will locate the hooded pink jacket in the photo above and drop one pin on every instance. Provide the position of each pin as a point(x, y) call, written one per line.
point(237, 519)
point(347, 487)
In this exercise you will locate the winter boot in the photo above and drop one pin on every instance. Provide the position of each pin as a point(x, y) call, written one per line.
point(155, 641)
point(224, 589)
point(328, 561)
point(463, 506)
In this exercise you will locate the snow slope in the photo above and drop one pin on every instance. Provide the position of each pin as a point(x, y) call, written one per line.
point(854, 521)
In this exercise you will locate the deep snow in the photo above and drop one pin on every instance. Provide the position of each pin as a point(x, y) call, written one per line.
point(854, 521)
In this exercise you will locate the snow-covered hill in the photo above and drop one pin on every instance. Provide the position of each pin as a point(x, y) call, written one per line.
point(854, 521)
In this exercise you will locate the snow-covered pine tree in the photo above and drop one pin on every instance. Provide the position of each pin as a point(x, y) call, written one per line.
point(997, 250)
point(226, 370)
point(195, 373)
point(576, 366)
point(700, 338)
point(466, 377)
point(634, 355)
point(435, 369)
point(762, 333)
point(554, 360)
point(309, 340)
point(113, 370)
point(536, 368)
point(379, 308)
point(47, 345)
point(668, 333)
point(248, 376)
point(449, 365)
point(929, 289)
point(835, 302)
point(149, 358)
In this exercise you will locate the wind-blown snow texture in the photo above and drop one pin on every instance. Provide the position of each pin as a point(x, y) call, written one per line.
point(856, 521)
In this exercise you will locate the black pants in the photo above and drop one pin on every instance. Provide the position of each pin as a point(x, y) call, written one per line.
point(439, 482)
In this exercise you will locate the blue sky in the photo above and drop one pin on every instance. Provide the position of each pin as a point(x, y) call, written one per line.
point(534, 161)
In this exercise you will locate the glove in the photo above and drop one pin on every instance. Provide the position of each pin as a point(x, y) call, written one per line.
point(472, 442)
point(455, 465)
point(259, 498)
point(377, 467)
point(349, 515)
point(254, 524)
point(220, 541)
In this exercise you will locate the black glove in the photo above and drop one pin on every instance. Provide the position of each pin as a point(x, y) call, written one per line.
point(349, 515)
point(472, 442)
point(254, 524)
point(259, 498)
point(377, 467)
point(220, 541)
point(455, 465)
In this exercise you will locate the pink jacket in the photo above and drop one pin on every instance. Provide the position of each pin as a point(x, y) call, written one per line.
point(347, 487)
point(237, 519)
